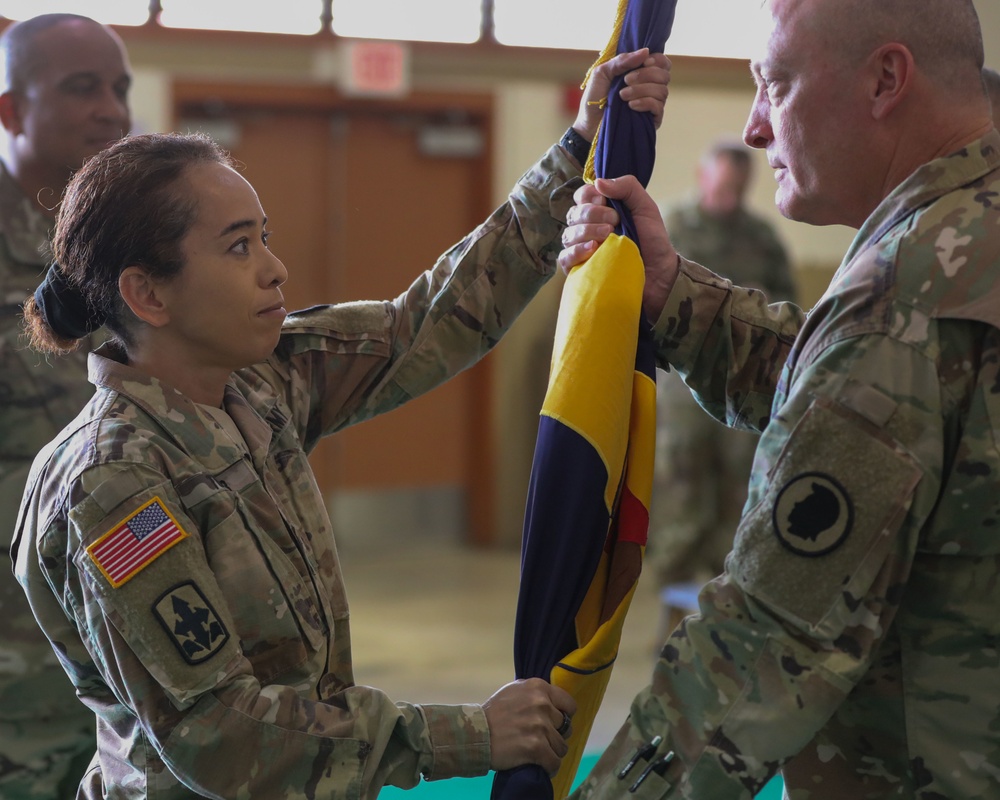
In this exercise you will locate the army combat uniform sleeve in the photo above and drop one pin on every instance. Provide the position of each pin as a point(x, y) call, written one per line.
point(820, 556)
point(447, 319)
point(727, 343)
point(222, 692)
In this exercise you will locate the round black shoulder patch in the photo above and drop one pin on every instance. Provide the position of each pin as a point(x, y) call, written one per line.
point(813, 515)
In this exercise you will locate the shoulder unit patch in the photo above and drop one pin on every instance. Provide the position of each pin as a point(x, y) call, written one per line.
point(813, 514)
point(190, 622)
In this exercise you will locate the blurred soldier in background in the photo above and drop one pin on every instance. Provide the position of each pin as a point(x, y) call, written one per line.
point(702, 467)
point(64, 82)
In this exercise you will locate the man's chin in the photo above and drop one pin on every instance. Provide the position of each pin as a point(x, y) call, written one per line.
point(792, 205)
point(785, 201)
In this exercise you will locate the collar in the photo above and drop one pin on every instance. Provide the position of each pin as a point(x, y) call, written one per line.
point(248, 399)
point(928, 183)
point(966, 287)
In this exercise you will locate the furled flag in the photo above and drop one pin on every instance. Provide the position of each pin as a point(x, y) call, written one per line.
point(588, 500)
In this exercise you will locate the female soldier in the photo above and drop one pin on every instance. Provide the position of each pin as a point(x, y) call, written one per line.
point(173, 543)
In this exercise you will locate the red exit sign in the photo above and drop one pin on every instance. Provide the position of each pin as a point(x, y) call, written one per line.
point(377, 68)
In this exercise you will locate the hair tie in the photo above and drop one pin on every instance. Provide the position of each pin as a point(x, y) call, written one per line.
point(65, 309)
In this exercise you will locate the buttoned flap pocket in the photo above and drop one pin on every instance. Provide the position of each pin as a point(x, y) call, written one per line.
point(837, 496)
point(291, 485)
point(258, 584)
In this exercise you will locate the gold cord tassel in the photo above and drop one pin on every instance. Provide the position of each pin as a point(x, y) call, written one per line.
point(610, 51)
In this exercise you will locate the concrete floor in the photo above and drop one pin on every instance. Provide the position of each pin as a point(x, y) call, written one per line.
point(433, 621)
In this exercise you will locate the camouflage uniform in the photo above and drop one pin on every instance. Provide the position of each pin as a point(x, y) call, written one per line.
point(702, 467)
point(218, 659)
point(853, 639)
point(46, 735)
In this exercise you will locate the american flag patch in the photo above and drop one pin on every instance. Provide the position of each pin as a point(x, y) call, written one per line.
point(135, 542)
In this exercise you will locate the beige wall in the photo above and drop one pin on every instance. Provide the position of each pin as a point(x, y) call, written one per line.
point(989, 18)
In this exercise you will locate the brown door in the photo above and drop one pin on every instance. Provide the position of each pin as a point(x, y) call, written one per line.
point(359, 206)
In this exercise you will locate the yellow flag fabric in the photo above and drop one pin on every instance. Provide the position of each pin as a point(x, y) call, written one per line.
point(596, 390)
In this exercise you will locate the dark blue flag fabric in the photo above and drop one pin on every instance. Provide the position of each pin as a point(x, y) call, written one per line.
point(626, 143)
point(587, 509)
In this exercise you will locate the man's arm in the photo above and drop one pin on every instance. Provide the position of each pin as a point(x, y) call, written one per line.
point(811, 588)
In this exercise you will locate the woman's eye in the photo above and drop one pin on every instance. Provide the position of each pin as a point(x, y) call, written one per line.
point(264, 237)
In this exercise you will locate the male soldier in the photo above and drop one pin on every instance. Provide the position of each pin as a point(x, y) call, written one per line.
point(702, 467)
point(65, 82)
point(855, 651)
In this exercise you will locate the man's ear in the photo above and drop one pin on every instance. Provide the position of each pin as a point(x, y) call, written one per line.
point(10, 112)
point(143, 296)
point(893, 72)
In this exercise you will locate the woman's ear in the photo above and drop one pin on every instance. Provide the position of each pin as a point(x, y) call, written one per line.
point(141, 294)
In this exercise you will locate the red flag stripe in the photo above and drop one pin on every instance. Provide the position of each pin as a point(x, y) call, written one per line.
point(128, 557)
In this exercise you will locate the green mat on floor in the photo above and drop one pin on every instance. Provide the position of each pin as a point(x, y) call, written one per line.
point(479, 788)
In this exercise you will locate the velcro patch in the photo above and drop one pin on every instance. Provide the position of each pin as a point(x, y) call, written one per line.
point(834, 502)
point(190, 622)
point(135, 542)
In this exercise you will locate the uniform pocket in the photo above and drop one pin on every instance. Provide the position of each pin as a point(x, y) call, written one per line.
point(256, 580)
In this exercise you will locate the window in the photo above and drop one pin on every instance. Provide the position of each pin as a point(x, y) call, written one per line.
point(295, 16)
point(697, 31)
point(587, 25)
point(573, 24)
point(438, 21)
point(580, 25)
point(110, 12)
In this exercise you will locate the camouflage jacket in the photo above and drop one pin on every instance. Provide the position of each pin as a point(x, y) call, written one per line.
point(852, 641)
point(193, 584)
point(37, 398)
point(740, 246)
point(702, 469)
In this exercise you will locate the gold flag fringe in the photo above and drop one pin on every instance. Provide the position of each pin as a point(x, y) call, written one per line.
point(610, 51)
